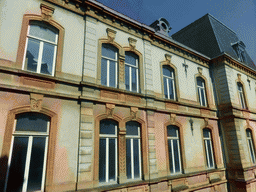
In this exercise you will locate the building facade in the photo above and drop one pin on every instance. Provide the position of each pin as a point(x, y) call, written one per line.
point(92, 100)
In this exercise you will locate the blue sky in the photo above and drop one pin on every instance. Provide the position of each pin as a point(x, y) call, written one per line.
point(239, 15)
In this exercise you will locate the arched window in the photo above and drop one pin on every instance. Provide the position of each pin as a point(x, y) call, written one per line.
point(131, 72)
point(109, 68)
point(201, 91)
point(169, 83)
point(133, 150)
point(208, 148)
point(41, 48)
point(28, 154)
point(174, 149)
point(250, 144)
point(241, 94)
point(108, 151)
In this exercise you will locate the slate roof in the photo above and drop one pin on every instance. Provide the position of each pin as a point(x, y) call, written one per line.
point(212, 38)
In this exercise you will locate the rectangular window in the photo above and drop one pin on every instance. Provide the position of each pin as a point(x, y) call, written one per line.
point(251, 145)
point(41, 48)
point(241, 95)
point(201, 91)
point(131, 72)
point(169, 84)
point(174, 149)
point(208, 148)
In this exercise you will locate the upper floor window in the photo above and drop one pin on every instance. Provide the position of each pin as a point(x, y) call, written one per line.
point(251, 145)
point(208, 148)
point(131, 72)
point(109, 68)
point(201, 91)
point(239, 48)
point(174, 149)
point(241, 94)
point(169, 83)
point(133, 150)
point(41, 48)
point(28, 153)
point(108, 151)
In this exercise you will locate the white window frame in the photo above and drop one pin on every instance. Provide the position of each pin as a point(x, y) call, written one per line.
point(130, 75)
point(30, 135)
point(172, 151)
point(168, 86)
point(241, 95)
point(199, 88)
point(132, 137)
point(107, 137)
point(251, 145)
point(40, 54)
point(108, 68)
point(207, 150)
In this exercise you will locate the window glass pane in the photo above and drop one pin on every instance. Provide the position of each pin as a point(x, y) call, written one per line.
point(103, 71)
point(36, 164)
point(112, 73)
point(32, 55)
point(112, 159)
point(172, 131)
point(206, 133)
point(242, 99)
point(136, 158)
point(167, 71)
point(18, 162)
point(170, 155)
point(128, 159)
point(47, 59)
point(134, 79)
point(207, 152)
point(42, 32)
point(130, 58)
point(199, 82)
point(109, 51)
point(239, 87)
point(171, 89)
point(32, 122)
point(165, 87)
point(176, 155)
point(102, 160)
point(248, 133)
point(132, 128)
point(108, 127)
point(210, 153)
point(203, 98)
point(127, 77)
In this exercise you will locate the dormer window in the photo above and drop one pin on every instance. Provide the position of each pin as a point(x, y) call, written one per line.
point(239, 48)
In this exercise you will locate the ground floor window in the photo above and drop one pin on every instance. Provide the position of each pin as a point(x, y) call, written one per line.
point(28, 154)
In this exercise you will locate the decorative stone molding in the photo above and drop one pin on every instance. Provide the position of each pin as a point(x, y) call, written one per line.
point(248, 123)
point(46, 12)
point(206, 122)
point(134, 111)
point(172, 117)
point(200, 70)
point(110, 109)
point(168, 58)
point(185, 67)
point(239, 76)
point(121, 69)
point(132, 43)
point(111, 34)
point(36, 102)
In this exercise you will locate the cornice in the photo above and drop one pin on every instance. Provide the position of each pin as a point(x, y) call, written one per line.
point(117, 20)
point(228, 60)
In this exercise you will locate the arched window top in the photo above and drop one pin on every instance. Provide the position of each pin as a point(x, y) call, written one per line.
point(172, 131)
point(131, 58)
point(168, 71)
point(31, 121)
point(108, 126)
point(207, 133)
point(200, 82)
point(239, 86)
point(109, 51)
point(132, 128)
point(248, 133)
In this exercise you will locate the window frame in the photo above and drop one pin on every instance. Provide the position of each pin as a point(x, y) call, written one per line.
point(130, 73)
point(251, 146)
point(180, 149)
point(241, 95)
point(199, 89)
point(206, 151)
point(7, 142)
point(40, 51)
point(21, 53)
point(173, 79)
